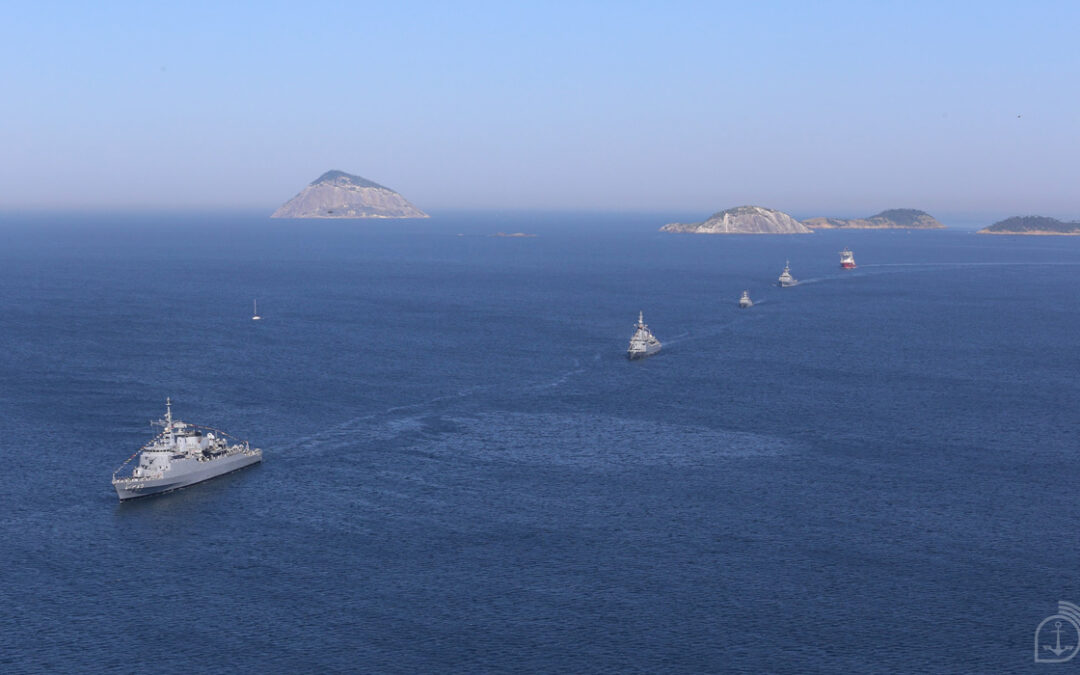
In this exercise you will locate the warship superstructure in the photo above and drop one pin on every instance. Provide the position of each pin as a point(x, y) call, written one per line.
point(786, 279)
point(847, 259)
point(181, 455)
point(745, 300)
point(644, 343)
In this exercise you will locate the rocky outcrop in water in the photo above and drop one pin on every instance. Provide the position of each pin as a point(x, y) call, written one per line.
point(904, 219)
point(1032, 225)
point(336, 194)
point(743, 220)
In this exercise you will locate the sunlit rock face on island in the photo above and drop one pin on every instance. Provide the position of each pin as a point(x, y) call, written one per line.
point(904, 219)
point(336, 194)
point(743, 220)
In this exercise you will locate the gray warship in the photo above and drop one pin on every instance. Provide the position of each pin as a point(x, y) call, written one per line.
point(181, 455)
point(644, 343)
point(786, 279)
point(745, 300)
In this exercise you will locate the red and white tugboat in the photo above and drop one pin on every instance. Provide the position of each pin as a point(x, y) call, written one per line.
point(847, 259)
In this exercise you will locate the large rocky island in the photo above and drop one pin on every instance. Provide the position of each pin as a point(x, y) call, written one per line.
point(906, 219)
point(743, 220)
point(1032, 225)
point(336, 194)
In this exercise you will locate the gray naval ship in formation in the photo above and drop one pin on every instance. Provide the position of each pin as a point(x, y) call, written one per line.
point(182, 454)
point(644, 343)
point(786, 280)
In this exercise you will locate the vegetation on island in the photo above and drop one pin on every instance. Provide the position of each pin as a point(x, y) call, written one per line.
point(903, 219)
point(1032, 225)
point(358, 181)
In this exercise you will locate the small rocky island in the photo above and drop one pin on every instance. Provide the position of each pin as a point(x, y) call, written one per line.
point(1032, 225)
point(905, 219)
point(743, 220)
point(336, 194)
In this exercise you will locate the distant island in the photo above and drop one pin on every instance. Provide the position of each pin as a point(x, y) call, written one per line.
point(743, 220)
point(906, 219)
point(336, 194)
point(513, 234)
point(1032, 225)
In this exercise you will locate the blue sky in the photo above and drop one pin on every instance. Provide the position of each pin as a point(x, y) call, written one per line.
point(831, 108)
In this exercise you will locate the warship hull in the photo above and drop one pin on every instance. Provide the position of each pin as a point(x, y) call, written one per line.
point(786, 280)
point(644, 343)
point(133, 488)
point(633, 354)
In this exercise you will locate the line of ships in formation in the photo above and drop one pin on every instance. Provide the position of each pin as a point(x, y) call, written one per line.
point(184, 454)
point(644, 343)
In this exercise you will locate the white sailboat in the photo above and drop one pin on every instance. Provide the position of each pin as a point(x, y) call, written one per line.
point(255, 311)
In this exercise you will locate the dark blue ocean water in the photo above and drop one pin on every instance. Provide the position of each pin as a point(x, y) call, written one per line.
point(875, 471)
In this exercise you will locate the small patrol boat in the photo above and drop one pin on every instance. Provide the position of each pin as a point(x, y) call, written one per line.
point(181, 455)
point(745, 300)
point(847, 259)
point(644, 343)
point(786, 279)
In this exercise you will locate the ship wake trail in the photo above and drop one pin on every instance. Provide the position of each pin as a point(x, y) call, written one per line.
point(598, 441)
point(720, 329)
point(956, 265)
point(402, 418)
point(558, 381)
point(681, 337)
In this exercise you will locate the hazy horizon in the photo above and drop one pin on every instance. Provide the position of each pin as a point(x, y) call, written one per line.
point(605, 217)
point(840, 109)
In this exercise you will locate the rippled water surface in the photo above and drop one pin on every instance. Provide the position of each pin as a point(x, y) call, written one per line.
point(875, 471)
